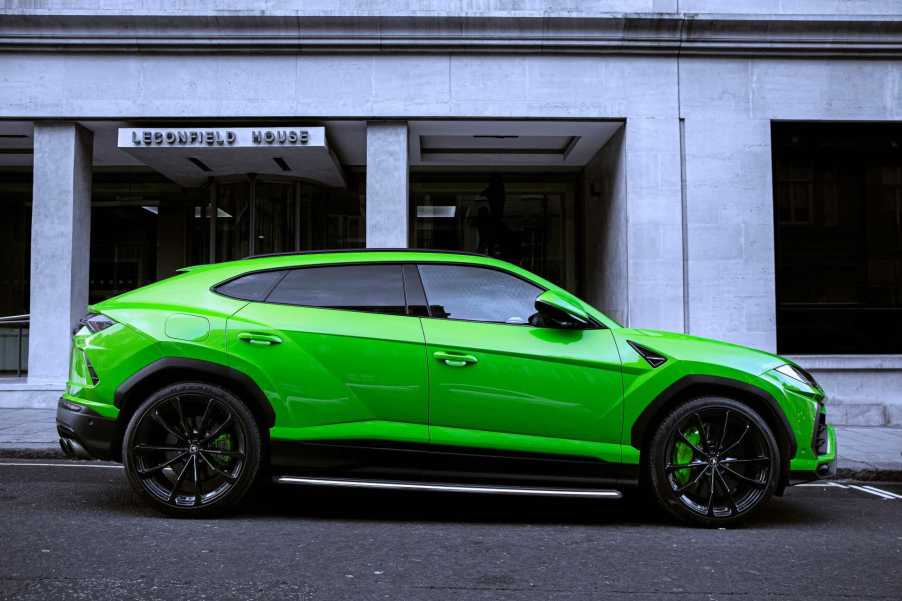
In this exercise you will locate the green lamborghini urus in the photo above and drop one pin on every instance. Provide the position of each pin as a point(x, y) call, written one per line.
point(424, 370)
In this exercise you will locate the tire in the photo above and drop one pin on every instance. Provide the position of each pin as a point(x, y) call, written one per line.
point(732, 456)
point(192, 450)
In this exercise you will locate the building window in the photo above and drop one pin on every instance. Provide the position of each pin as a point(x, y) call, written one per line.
point(838, 225)
point(15, 232)
point(15, 268)
point(141, 226)
point(144, 227)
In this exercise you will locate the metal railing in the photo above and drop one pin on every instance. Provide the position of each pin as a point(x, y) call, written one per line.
point(20, 323)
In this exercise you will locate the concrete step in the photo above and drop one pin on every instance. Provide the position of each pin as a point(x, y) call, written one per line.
point(863, 414)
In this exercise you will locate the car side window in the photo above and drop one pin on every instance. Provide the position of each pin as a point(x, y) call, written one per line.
point(374, 288)
point(251, 286)
point(472, 293)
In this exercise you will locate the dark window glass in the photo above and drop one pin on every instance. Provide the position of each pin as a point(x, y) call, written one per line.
point(376, 288)
point(838, 222)
point(252, 287)
point(478, 294)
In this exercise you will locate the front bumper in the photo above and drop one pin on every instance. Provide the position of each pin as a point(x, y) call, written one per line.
point(84, 432)
point(821, 467)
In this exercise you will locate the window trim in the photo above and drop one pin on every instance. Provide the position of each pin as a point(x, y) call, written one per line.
point(291, 268)
point(594, 323)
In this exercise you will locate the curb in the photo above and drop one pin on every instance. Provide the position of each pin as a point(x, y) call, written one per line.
point(870, 475)
point(32, 453)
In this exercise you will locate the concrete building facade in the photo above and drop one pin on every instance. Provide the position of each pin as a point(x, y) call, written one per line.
point(684, 147)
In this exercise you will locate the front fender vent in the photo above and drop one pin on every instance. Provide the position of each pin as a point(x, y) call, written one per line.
point(91, 373)
point(653, 358)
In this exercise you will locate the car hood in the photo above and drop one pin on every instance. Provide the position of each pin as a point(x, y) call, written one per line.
point(684, 347)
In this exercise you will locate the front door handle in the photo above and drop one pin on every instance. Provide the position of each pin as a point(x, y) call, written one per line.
point(259, 339)
point(455, 360)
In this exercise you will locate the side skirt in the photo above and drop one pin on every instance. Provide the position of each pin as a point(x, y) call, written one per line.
point(584, 493)
point(413, 463)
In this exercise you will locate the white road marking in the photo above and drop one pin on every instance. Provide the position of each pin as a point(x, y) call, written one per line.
point(876, 493)
point(880, 490)
point(6, 464)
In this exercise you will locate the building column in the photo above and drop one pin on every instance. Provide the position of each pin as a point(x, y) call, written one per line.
point(60, 245)
point(387, 195)
point(730, 215)
point(654, 224)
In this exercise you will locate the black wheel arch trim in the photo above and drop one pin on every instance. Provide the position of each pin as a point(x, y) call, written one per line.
point(713, 384)
point(243, 383)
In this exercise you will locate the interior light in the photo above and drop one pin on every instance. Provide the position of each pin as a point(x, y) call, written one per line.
point(436, 211)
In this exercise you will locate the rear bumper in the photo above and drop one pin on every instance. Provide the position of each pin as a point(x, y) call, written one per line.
point(83, 432)
point(819, 468)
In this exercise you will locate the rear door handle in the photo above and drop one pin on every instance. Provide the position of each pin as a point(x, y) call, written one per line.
point(455, 360)
point(259, 339)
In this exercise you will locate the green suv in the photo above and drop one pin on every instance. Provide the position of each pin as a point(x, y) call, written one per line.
point(427, 370)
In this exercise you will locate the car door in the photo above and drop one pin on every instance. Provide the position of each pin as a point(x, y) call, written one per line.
point(337, 354)
point(495, 381)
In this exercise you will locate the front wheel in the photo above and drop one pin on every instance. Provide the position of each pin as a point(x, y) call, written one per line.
point(713, 462)
point(192, 450)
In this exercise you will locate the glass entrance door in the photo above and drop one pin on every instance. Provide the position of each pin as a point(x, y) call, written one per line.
point(524, 221)
point(277, 218)
point(254, 216)
point(232, 220)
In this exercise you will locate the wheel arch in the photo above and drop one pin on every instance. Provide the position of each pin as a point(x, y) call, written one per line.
point(690, 387)
point(134, 390)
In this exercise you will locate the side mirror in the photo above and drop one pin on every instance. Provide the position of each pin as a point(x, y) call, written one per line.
point(557, 312)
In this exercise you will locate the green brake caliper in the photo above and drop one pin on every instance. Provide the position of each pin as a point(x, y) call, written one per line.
point(223, 442)
point(682, 454)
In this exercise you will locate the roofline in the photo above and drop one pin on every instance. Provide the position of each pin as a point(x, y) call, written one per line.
point(77, 26)
point(367, 250)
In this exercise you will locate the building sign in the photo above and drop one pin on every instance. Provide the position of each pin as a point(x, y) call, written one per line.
point(240, 137)
point(191, 155)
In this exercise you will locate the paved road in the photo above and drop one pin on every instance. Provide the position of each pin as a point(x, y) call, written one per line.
point(78, 532)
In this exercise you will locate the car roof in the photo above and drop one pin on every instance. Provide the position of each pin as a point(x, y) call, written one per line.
point(228, 269)
point(427, 251)
point(357, 255)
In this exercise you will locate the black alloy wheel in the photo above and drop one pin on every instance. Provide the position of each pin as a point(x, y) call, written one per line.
point(713, 461)
point(192, 449)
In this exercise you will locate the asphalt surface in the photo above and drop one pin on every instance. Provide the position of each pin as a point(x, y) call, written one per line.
point(78, 532)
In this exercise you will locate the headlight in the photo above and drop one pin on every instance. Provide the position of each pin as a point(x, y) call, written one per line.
point(797, 373)
point(96, 322)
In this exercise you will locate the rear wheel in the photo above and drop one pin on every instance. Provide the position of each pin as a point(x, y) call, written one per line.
point(713, 462)
point(192, 449)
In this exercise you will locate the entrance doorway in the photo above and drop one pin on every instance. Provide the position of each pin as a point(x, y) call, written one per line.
point(263, 215)
point(520, 218)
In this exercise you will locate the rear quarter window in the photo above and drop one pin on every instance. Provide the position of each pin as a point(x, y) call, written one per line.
point(252, 286)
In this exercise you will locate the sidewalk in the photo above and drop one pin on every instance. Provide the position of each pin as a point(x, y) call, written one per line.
point(865, 452)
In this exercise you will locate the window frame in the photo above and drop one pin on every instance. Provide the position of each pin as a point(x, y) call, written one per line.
point(290, 268)
point(410, 309)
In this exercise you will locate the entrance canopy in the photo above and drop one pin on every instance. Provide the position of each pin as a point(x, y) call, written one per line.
point(191, 155)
